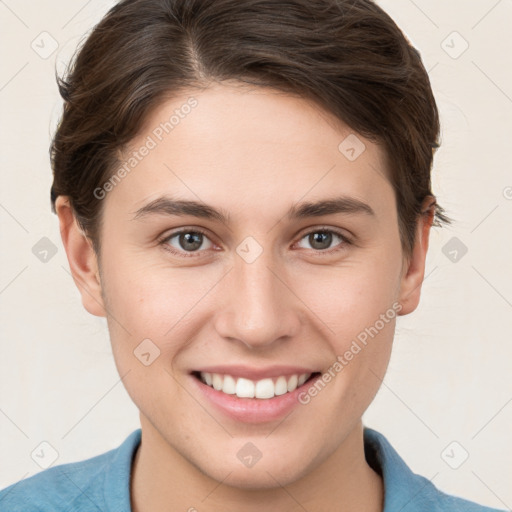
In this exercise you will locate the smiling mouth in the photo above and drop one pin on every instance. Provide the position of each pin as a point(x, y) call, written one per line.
point(261, 389)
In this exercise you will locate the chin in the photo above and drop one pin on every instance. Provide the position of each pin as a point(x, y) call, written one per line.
point(271, 473)
point(256, 480)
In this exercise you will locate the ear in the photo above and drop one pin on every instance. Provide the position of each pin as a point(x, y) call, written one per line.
point(414, 267)
point(81, 257)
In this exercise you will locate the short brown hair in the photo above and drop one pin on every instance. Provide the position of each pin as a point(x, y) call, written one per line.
point(346, 55)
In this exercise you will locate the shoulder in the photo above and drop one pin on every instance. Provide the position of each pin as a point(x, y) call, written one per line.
point(432, 499)
point(58, 487)
point(87, 485)
point(405, 490)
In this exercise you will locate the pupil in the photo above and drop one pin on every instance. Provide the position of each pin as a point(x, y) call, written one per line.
point(318, 240)
point(322, 238)
point(190, 238)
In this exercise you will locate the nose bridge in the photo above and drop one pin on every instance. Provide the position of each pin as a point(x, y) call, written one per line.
point(258, 309)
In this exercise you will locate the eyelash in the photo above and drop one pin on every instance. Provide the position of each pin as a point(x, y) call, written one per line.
point(342, 246)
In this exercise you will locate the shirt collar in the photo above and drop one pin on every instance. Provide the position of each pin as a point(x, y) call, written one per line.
point(401, 486)
point(116, 492)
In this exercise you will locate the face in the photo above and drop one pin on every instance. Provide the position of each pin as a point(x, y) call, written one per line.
point(251, 289)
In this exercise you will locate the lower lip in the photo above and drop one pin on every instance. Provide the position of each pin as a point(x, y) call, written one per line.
point(253, 410)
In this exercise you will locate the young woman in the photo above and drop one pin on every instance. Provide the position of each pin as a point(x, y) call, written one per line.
point(243, 189)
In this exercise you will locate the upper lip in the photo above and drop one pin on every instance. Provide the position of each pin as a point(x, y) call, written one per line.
point(256, 374)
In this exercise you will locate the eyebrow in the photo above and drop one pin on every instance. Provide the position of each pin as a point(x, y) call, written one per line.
point(173, 207)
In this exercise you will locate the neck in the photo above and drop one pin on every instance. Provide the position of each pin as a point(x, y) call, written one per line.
point(343, 481)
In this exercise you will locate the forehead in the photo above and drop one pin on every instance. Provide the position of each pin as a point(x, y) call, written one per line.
point(249, 147)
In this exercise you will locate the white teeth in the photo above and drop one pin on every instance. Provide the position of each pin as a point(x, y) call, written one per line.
point(281, 386)
point(217, 381)
point(229, 386)
point(245, 388)
point(292, 382)
point(262, 389)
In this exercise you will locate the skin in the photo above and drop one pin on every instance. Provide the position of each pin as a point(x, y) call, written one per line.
point(295, 304)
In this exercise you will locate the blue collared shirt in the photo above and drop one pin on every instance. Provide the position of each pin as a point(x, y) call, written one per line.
point(102, 483)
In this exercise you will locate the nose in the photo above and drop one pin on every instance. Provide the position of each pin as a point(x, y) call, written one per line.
point(257, 306)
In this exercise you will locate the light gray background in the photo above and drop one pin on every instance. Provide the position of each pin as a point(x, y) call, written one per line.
point(449, 378)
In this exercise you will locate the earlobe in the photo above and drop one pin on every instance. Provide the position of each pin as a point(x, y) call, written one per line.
point(413, 275)
point(82, 258)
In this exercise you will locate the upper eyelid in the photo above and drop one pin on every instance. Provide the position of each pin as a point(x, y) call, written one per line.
point(308, 231)
point(337, 231)
point(304, 232)
point(346, 239)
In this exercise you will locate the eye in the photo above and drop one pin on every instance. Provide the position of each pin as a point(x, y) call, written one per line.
point(321, 240)
point(186, 241)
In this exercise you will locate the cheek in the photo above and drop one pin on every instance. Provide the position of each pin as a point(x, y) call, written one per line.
point(350, 298)
point(148, 326)
point(158, 303)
